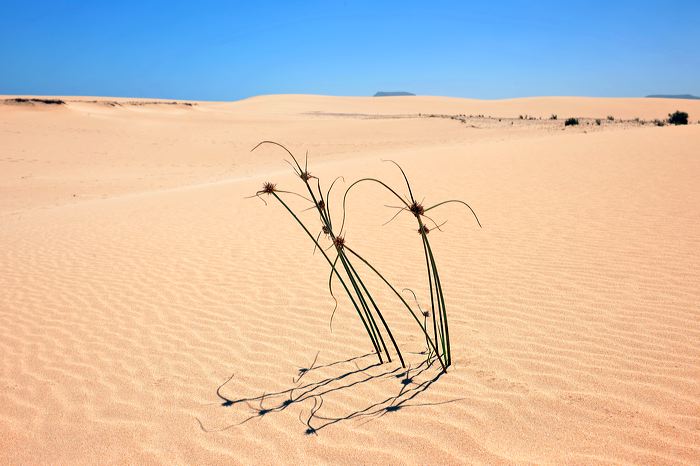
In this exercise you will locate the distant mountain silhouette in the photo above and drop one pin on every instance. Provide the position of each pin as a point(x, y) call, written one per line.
point(677, 96)
point(391, 94)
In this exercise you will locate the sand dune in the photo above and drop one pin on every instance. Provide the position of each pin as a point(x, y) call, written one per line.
point(136, 280)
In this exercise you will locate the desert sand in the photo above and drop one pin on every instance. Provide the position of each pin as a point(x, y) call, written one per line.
point(136, 280)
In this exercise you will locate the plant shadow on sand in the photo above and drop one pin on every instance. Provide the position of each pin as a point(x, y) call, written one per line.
point(310, 396)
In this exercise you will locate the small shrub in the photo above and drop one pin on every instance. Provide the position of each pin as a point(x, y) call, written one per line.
point(611, 118)
point(597, 121)
point(571, 122)
point(553, 117)
point(659, 123)
point(678, 118)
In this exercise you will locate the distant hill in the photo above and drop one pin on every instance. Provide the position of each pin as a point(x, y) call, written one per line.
point(391, 94)
point(678, 96)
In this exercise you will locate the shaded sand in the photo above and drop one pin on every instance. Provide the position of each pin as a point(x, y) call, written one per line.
point(135, 280)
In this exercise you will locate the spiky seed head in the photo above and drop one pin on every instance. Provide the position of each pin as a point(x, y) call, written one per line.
point(325, 230)
point(417, 209)
point(425, 313)
point(321, 204)
point(268, 188)
point(339, 242)
point(423, 229)
point(305, 175)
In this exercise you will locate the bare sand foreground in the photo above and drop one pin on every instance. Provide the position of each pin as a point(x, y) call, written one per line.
point(135, 280)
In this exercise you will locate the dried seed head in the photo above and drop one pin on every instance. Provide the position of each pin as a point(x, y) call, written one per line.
point(417, 209)
point(423, 229)
point(305, 175)
point(321, 204)
point(268, 188)
point(339, 242)
point(425, 313)
point(325, 230)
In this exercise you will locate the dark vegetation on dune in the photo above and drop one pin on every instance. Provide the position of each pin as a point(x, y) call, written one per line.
point(678, 118)
point(137, 103)
point(22, 100)
point(111, 103)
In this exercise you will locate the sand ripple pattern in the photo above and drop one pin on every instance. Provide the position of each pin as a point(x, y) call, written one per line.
point(574, 317)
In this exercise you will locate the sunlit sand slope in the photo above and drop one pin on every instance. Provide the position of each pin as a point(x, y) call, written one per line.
point(135, 280)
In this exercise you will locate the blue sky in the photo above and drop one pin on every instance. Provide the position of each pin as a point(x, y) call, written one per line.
point(216, 50)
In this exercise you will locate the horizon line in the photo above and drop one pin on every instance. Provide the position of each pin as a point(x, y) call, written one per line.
point(649, 96)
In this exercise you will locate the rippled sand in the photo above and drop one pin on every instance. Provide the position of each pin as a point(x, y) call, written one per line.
point(135, 280)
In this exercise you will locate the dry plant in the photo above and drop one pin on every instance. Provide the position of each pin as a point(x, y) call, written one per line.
point(351, 280)
point(438, 309)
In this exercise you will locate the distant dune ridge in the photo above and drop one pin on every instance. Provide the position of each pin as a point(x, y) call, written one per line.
point(392, 94)
point(673, 96)
point(149, 313)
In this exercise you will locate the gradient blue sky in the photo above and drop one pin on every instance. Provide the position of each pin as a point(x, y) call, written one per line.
point(216, 50)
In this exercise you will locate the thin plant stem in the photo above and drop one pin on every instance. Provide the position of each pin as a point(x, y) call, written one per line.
point(432, 297)
point(438, 286)
point(425, 320)
point(342, 225)
point(410, 191)
point(330, 290)
point(431, 267)
point(328, 197)
point(376, 335)
point(381, 317)
point(377, 338)
point(401, 298)
point(459, 202)
point(340, 278)
point(438, 312)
